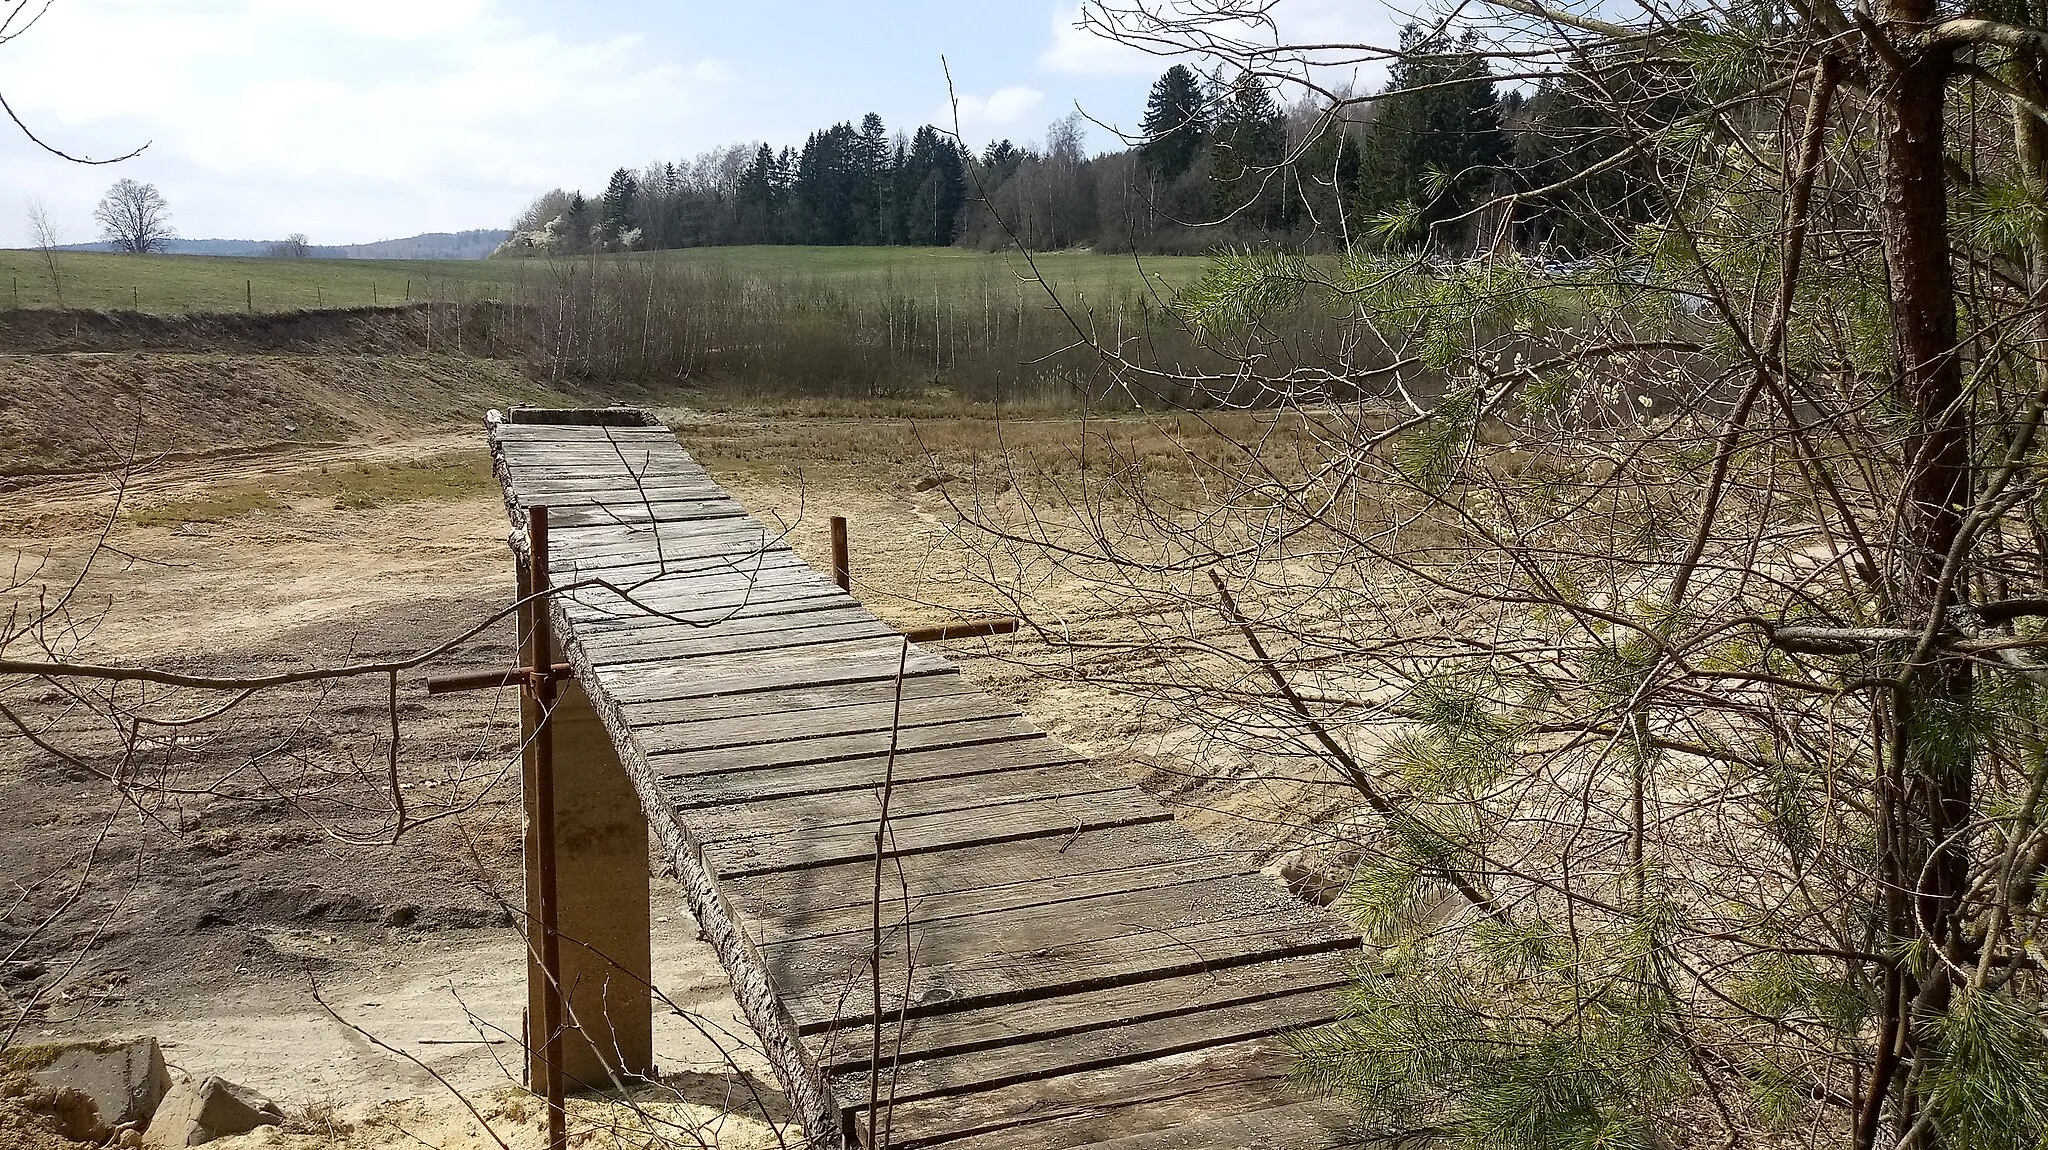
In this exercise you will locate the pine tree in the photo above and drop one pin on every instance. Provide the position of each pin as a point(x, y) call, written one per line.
point(1176, 124)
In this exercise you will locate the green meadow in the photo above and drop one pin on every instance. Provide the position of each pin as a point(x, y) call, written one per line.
point(198, 284)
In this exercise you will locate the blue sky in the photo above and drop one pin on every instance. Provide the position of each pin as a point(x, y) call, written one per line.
point(354, 120)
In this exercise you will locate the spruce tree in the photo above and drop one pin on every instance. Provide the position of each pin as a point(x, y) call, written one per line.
point(933, 185)
point(759, 194)
point(871, 177)
point(1176, 124)
point(621, 204)
point(1245, 154)
point(1438, 143)
point(576, 223)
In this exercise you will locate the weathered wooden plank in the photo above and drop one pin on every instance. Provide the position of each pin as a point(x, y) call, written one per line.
point(705, 576)
point(605, 600)
point(1028, 952)
point(677, 567)
point(580, 515)
point(950, 762)
point(765, 569)
point(916, 834)
point(569, 489)
point(544, 420)
point(866, 718)
point(1021, 870)
point(532, 472)
point(1181, 999)
point(623, 540)
point(718, 537)
point(657, 600)
point(648, 716)
point(799, 667)
point(513, 434)
point(1138, 1040)
point(592, 450)
point(992, 903)
point(1073, 1110)
point(1319, 1125)
point(854, 811)
point(567, 443)
point(598, 608)
point(617, 650)
point(685, 765)
point(568, 484)
point(752, 564)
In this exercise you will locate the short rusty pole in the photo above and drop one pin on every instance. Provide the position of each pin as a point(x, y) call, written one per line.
point(842, 567)
point(543, 687)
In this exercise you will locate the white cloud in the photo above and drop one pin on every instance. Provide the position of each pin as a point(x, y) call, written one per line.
point(999, 109)
point(272, 116)
point(1084, 50)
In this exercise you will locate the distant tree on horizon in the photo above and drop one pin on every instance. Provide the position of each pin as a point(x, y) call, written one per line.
point(293, 247)
point(134, 217)
point(48, 239)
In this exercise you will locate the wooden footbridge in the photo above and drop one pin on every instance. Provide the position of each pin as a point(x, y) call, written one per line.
point(1061, 966)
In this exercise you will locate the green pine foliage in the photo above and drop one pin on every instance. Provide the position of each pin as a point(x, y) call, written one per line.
point(1518, 1040)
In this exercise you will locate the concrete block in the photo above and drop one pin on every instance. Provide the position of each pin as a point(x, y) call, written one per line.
point(602, 883)
point(197, 1112)
point(124, 1081)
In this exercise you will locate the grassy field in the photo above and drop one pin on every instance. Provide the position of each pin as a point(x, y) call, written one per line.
point(183, 284)
point(187, 284)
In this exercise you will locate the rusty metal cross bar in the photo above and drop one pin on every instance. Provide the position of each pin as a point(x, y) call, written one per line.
point(842, 574)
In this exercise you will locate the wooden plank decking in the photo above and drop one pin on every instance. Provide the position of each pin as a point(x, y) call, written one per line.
point(1083, 972)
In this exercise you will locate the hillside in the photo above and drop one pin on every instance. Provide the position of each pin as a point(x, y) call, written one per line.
point(474, 244)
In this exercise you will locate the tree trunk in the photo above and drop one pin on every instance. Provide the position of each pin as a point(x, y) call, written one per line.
point(1924, 791)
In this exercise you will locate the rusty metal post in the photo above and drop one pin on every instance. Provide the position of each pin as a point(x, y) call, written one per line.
point(842, 568)
point(541, 662)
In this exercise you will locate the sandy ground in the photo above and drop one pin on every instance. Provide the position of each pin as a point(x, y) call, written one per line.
point(226, 893)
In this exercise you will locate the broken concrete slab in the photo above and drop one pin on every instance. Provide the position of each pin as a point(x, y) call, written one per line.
point(124, 1081)
point(197, 1112)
